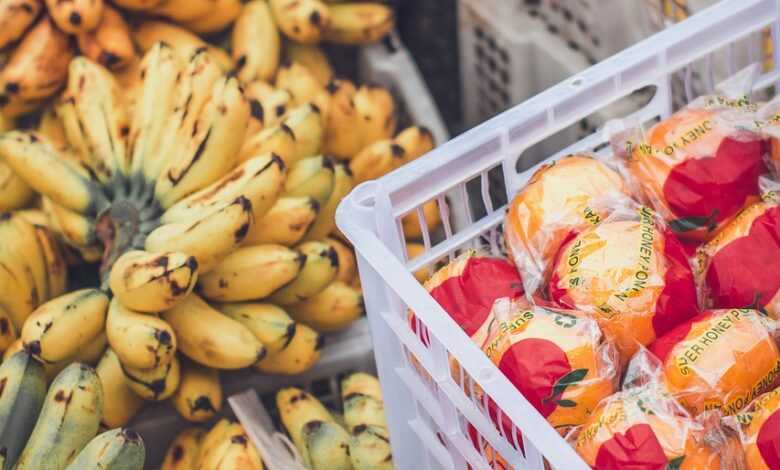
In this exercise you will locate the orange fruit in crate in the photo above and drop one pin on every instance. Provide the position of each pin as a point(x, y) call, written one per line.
point(411, 222)
point(720, 359)
point(761, 432)
point(646, 429)
point(632, 276)
point(737, 267)
point(560, 198)
point(699, 167)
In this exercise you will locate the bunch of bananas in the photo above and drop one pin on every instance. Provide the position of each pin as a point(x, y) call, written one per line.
point(57, 429)
point(355, 440)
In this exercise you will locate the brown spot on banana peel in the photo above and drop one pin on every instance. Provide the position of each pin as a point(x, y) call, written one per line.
point(256, 110)
point(292, 328)
point(198, 153)
point(3, 382)
point(178, 453)
point(202, 403)
point(62, 396)
point(239, 439)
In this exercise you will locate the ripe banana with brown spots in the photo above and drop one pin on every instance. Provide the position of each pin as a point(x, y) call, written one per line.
point(141, 341)
point(15, 17)
point(76, 16)
point(152, 282)
point(303, 85)
point(199, 396)
point(269, 106)
point(318, 271)
point(333, 309)
point(120, 402)
point(182, 454)
point(110, 44)
point(255, 43)
point(340, 139)
point(155, 384)
point(359, 23)
point(303, 21)
point(286, 223)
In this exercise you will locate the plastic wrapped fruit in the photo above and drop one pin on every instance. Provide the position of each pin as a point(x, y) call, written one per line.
point(760, 432)
point(700, 166)
point(560, 198)
point(720, 359)
point(644, 428)
point(630, 273)
point(737, 267)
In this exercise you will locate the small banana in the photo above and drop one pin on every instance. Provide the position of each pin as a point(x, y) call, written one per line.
point(376, 114)
point(14, 192)
point(270, 324)
point(333, 309)
point(311, 57)
point(137, 5)
point(296, 408)
point(58, 329)
point(303, 85)
point(268, 105)
point(222, 15)
point(299, 354)
point(117, 449)
point(277, 140)
point(141, 341)
point(182, 453)
point(209, 238)
point(347, 263)
point(416, 142)
point(75, 16)
point(69, 419)
point(15, 17)
point(235, 453)
point(120, 403)
point(75, 228)
point(182, 11)
point(260, 180)
point(307, 128)
point(360, 383)
point(155, 384)
point(38, 66)
point(311, 177)
point(327, 445)
point(110, 44)
point(18, 290)
point(340, 139)
point(255, 42)
point(211, 338)
point(303, 21)
point(362, 410)
point(152, 282)
point(411, 222)
point(252, 272)
point(369, 448)
point(24, 390)
point(199, 396)
point(359, 23)
point(376, 160)
point(149, 32)
point(286, 223)
point(326, 219)
point(318, 271)
point(212, 439)
point(31, 254)
point(93, 351)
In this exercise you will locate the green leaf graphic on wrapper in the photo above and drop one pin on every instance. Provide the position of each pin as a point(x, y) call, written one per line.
point(572, 378)
point(694, 222)
point(675, 463)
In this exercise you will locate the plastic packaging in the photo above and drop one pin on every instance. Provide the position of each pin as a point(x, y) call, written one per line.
point(759, 430)
point(630, 273)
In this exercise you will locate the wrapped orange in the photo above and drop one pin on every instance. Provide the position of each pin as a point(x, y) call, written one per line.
point(720, 359)
point(760, 432)
point(737, 267)
point(700, 166)
point(631, 274)
point(560, 198)
point(644, 428)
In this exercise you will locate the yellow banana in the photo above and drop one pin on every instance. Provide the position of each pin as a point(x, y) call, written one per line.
point(347, 263)
point(311, 57)
point(222, 15)
point(359, 23)
point(137, 5)
point(182, 453)
point(268, 322)
point(360, 383)
point(305, 122)
point(327, 445)
point(303, 21)
point(152, 282)
point(120, 403)
point(208, 239)
point(255, 43)
point(296, 408)
point(333, 309)
point(376, 114)
point(68, 421)
point(75, 16)
point(14, 192)
point(260, 180)
point(269, 106)
point(217, 135)
point(35, 216)
point(149, 32)
point(376, 160)
point(212, 439)
point(15, 17)
point(32, 253)
point(199, 396)
point(19, 294)
point(411, 222)
point(140, 341)
point(211, 338)
point(311, 177)
point(236, 453)
point(155, 384)
point(7, 330)
point(38, 66)
point(416, 142)
point(364, 416)
point(49, 370)
point(286, 223)
point(93, 351)
point(300, 353)
point(182, 11)
point(110, 43)
point(413, 250)
point(303, 85)
point(251, 272)
point(115, 449)
point(278, 140)
point(340, 139)
point(369, 448)
point(326, 219)
point(75, 227)
point(54, 262)
point(318, 271)
point(223, 447)
point(58, 329)
point(363, 410)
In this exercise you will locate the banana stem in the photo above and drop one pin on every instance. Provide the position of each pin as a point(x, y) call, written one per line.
point(116, 228)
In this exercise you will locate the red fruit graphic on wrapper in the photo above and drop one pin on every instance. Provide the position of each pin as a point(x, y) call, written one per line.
point(637, 448)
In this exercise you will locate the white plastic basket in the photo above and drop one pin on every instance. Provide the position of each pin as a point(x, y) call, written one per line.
point(428, 418)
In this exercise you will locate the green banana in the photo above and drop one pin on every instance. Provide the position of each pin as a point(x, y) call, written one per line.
point(117, 449)
point(369, 448)
point(327, 444)
point(23, 392)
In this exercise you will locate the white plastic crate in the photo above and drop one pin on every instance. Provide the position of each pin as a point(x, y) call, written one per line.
point(428, 419)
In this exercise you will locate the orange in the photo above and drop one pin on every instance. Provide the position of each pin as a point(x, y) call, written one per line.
point(761, 433)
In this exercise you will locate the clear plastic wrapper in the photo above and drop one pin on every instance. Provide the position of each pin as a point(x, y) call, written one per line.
point(737, 268)
point(759, 431)
point(701, 165)
point(630, 273)
point(645, 428)
point(561, 198)
point(719, 360)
